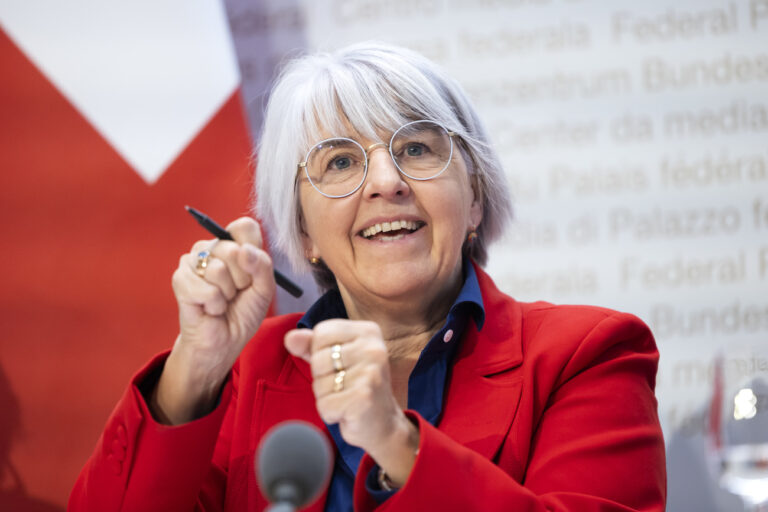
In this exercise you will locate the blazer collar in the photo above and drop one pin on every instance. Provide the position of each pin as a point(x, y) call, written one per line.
point(498, 346)
point(484, 390)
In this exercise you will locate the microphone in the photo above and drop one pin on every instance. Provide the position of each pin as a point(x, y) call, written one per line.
point(293, 465)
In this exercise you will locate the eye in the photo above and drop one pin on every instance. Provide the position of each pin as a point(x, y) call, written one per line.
point(415, 149)
point(341, 163)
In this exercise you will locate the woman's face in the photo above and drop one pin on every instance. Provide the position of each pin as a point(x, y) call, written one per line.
point(407, 263)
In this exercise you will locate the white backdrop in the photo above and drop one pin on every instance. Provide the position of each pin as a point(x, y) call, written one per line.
point(635, 135)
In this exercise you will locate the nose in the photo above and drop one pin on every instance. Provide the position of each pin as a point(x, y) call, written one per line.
point(383, 179)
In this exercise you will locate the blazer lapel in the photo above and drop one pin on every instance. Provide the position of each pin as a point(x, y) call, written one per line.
point(484, 390)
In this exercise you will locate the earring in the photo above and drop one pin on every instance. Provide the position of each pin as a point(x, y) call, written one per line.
point(471, 236)
point(314, 261)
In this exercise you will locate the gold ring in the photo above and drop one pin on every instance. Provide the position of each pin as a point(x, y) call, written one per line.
point(338, 364)
point(202, 262)
point(203, 257)
point(338, 381)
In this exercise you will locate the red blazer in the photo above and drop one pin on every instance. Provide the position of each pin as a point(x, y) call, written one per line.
point(547, 408)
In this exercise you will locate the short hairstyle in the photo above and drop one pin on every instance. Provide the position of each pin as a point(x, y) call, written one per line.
point(374, 88)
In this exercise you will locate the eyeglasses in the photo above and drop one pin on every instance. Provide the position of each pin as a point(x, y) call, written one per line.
point(337, 167)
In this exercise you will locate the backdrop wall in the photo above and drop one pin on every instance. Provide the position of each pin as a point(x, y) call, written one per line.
point(635, 135)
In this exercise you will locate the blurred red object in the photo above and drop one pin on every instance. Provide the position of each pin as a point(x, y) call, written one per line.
point(88, 250)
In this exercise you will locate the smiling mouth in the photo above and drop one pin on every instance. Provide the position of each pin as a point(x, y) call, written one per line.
point(391, 231)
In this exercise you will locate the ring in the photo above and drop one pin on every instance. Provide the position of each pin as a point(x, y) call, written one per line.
point(203, 257)
point(338, 381)
point(338, 364)
point(202, 262)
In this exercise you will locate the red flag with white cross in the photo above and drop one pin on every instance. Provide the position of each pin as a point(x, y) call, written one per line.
point(113, 116)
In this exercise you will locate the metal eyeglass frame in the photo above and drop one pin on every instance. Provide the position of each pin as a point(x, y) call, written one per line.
point(303, 165)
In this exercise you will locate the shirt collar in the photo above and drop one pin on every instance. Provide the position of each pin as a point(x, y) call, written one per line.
point(328, 306)
point(469, 297)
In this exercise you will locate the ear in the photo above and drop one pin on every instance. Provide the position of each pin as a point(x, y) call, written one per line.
point(476, 208)
point(309, 247)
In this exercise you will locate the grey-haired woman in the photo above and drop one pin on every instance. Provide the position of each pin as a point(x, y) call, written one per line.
point(437, 390)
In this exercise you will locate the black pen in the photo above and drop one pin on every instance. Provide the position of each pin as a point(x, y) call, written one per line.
point(219, 232)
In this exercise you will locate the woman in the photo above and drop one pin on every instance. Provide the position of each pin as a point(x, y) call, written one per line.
point(437, 390)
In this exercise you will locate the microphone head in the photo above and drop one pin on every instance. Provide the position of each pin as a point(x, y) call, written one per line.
point(294, 463)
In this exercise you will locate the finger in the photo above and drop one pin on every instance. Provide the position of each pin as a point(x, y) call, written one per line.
point(322, 361)
point(226, 251)
point(331, 332)
point(353, 401)
point(258, 264)
point(351, 353)
point(326, 384)
point(204, 245)
point(200, 253)
point(190, 289)
point(219, 275)
point(246, 230)
point(229, 252)
point(252, 303)
point(332, 407)
point(297, 342)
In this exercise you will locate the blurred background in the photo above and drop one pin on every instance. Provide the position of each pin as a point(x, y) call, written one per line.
point(635, 136)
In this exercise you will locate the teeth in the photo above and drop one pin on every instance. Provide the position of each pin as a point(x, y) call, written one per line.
point(390, 226)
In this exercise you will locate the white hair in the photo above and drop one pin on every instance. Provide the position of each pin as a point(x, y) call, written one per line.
point(373, 88)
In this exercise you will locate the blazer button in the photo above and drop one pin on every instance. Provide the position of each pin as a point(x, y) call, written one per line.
point(116, 465)
point(122, 435)
point(118, 450)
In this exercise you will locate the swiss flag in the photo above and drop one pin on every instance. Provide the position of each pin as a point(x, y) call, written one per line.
point(92, 215)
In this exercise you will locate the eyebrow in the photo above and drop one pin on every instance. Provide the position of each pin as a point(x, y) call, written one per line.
point(341, 141)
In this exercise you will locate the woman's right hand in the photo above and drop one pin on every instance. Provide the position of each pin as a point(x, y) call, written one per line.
point(218, 313)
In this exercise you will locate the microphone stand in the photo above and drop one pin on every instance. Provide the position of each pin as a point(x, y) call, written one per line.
point(286, 495)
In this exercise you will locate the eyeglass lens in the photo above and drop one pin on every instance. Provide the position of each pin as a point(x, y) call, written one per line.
point(421, 150)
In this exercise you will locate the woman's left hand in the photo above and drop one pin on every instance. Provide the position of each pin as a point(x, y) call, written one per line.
point(363, 403)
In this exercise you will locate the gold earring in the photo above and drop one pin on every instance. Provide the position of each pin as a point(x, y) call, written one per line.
point(471, 236)
point(314, 261)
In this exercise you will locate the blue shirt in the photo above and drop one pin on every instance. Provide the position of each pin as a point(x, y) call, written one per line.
point(426, 384)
